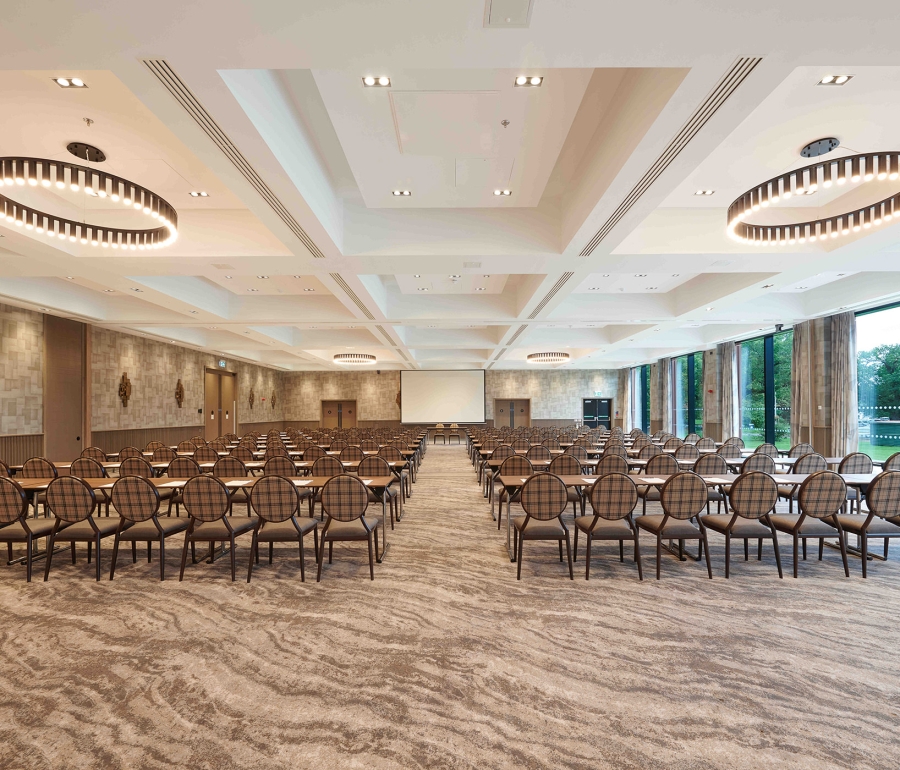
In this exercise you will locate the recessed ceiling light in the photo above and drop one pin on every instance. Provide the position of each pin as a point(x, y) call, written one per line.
point(252, 289)
point(709, 308)
point(768, 285)
point(263, 277)
point(196, 194)
point(401, 193)
point(652, 288)
point(456, 276)
point(675, 275)
point(480, 289)
point(801, 287)
point(528, 81)
point(640, 275)
point(71, 277)
point(835, 80)
point(594, 288)
point(309, 290)
point(606, 275)
point(432, 326)
point(423, 289)
point(502, 192)
point(487, 276)
point(370, 81)
point(213, 327)
point(417, 276)
point(109, 291)
point(228, 277)
point(70, 82)
point(704, 192)
point(195, 312)
point(136, 289)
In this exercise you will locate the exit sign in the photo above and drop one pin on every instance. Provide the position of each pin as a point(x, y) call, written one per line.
point(598, 392)
point(221, 363)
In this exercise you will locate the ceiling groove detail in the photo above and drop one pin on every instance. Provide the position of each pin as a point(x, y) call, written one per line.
point(175, 86)
point(515, 336)
point(336, 277)
point(387, 336)
point(500, 354)
point(729, 83)
point(550, 295)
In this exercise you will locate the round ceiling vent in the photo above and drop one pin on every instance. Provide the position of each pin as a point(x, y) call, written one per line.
point(86, 152)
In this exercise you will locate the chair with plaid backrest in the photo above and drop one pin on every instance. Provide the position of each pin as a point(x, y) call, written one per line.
point(730, 451)
point(205, 454)
point(706, 443)
point(337, 445)
point(512, 468)
point(162, 454)
point(351, 454)
point(766, 449)
point(230, 467)
point(649, 450)
point(394, 455)
point(538, 453)
point(566, 465)
point(692, 438)
point(521, 444)
point(280, 466)
point(798, 450)
point(499, 454)
point(682, 498)
point(277, 504)
point(181, 468)
point(759, 463)
point(38, 468)
point(328, 467)
point(578, 452)
point(208, 504)
point(892, 463)
point(615, 449)
point(613, 499)
point(544, 500)
point(15, 524)
point(186, 447)
point(374, 467)
point(820, 498)
point(88, 468)
point(368, 445)
point(809, 463)
point(736, 440)
point(855, 462)
point(136, 466)
point(344, 502)
point(673, 443)
point(152, 446)
point(95, 453)
point(687, 452)
point(313, 453)
point(137, 501)
point(275, 450)
point(611, 464)
point(660, 465)
point(72, 501)
point(882, 520)
point(4, 470)
point(753, 497)
point(129, 451)
point(550, 443)
point(712, 465)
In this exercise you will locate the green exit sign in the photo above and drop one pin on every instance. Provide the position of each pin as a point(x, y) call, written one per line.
point(598, 392)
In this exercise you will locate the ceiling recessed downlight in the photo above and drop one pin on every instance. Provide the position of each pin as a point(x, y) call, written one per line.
point(503, 192)
point(528, 81)
point(705, 192)
point(371, 81)
point(354, 359)
point(401, 193)
point(199, 194)
point(480, 289)
point(69, 82)
point(835, 80)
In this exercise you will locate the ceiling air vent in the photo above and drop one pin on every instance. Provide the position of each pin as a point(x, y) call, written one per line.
point(507, 14)
point(336, 277)
point(729, 83)
point(550, 295)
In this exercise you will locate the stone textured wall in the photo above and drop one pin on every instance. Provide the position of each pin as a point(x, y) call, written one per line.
point(375, 394)
point(154, 369)
point(555, 393)
point(21, 371)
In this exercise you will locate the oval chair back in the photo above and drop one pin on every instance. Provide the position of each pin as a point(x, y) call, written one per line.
point(390, 453)
point(280, 466)
point(892, 463)
point(798, 450)
point(613, 496)
point(683, 496)
point(649, 450)
point(274, 498)
point(687, 452)
point(615, 449)
point(206, 498)
point(544, 497)
point(611, 464)
point(13, 501)
point(136, 466)
point(810, 463)
point(767, 449)
point(242, 453)
point(692, 438)
point(883, 495)
point(205, 454)
point(502, 452)
point(314, 453)
point(856, 462)
point(38, 468)
point(95, 453)
point(351, 454)
point(711, 465)
point(760, 463)
point(565, 465)
point(183, 468)
point(162, 454)
point(736, 440)
point(578, 452)
point(730, 451)
point(135, 498)
point(129, 451)
point(753, 495)
point(87, 468)
point(538, 453)
point(229, 467)
point(822, 495)
point(71, 499)
point(662, 465)
point(327, 466)
point(706, 443)
point(344, 498)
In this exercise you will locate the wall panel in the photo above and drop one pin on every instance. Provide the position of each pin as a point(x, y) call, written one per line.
point(15, 450)
point(114, 440)
point(21, 371)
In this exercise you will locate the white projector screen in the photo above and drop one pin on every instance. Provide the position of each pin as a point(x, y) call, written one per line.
point(442, 396)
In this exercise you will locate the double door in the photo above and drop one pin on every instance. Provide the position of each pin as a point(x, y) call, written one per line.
point(596, 412)
point(339, 414)
point(512, 412)
point(219, 403)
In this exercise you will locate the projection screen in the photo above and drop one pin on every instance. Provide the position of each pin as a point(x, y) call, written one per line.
point(442, 396)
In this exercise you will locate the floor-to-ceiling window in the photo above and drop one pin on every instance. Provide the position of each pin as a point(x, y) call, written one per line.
point(878, 376)
point(687, 394)
point(640, 388)
point(765, 389)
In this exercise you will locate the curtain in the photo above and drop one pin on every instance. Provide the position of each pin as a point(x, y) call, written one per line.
point(664, 373)
point(844, 411)
point(731, 424)
point(624, 406)
point(800, 382)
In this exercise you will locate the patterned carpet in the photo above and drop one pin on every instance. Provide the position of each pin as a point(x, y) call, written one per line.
point(445, 660)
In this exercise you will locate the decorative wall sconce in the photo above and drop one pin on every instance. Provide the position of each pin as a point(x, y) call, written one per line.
point(179, 394)
point(273, 400)
point(124, 389)
point(252, 398)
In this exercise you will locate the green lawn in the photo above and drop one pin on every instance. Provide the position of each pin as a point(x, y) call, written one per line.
point(877, 452)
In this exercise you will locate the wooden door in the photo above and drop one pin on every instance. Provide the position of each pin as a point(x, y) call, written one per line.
point(211, 406)
point(329, 414)
point(64, 388)
point(347, 414)
point(521, 412)
point(227, 403)
point(339, 414)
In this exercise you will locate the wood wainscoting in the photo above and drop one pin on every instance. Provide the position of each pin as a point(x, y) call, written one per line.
point(114, 440)
point(262, 427)
point(15, 450)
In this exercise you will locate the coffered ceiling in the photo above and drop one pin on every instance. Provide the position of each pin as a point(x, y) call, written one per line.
point(301, 250)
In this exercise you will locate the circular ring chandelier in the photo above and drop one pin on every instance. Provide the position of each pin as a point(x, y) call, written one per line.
point(354, 359)
point(854, 169)
point(35, 172)
point(548, 358)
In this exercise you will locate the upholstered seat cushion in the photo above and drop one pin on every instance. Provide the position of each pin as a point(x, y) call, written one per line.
point(539, 530)
point(218, 530)
point(786, 490)
point(742, 527)
point(605, 529)
point(649, 493)
point(278, 531)
point(675, 528)
point(785, 522)
point(853, 523)
point(15, 532)
point(146, 530)
point(82, 530)
point(573, 495)
point(351, 530)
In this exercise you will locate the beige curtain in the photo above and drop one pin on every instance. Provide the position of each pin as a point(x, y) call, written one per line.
point(731, 423)
point(624, 405)
point(844, 408)
point(800, 383)
point(664, 373)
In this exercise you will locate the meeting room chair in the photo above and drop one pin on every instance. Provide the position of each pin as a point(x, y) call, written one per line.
point(892, 463)
point(152, 446)
point(612, 463)
point(205, 454)
point(544, 500)
point(38, 468)
point(660, 465)
point(404, 476)
point(798, 450)
point(88, 468)
point(615, 449)
point(613, 498)
point(752, 498)
point(15, 524)
point(540, 453)
point(683, 498)
point(351, 454)
point(488, 473)
point(673, 443)
point(186, 447)
point(882, 520)
point(163, 454)
point(692, 438)
point(95, 453)
point(758, 462)
point(207, 503)
point(344, 504)
point(809, 463)
point(388, 496)
point(649, 450)
point(712, 465)
point(515, 466)
point(180, 468)
point(276, 502)
point(129, 451)
point(687, 452)
point(137, 500)
point(730, 451)
point(736, 441)
point(706, 443)
point(4, 470)
point(72, 502)
point(819, 499)
point(766, 449)
point(578, 452)
point(855, 462)
point(566, 465)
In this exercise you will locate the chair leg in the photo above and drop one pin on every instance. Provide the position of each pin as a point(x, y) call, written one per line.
point(569, 554)
point(371, 558)
point(271, 551)
point(233, 575)
point(822, 548)
point(759, 549)
point(519, 558)
point(115, 555)
point(72, 549)
point(746, 549)
point(621, 550)
point(658, 553)
point(254, 547)
point(49, 557)
point(319, 556)
point(796, 554)
point(98, 558)
point(728, 556)
point(864, 546)
point(637, 557)
point(162, 558)
point(575, 552)
point(134, 551)
point(184, 556)
point(844, 550)
point(28, 557)
point(302, 562)
point(706, 549)
point(560, 551)
point(587, 554)
point(804, 549)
